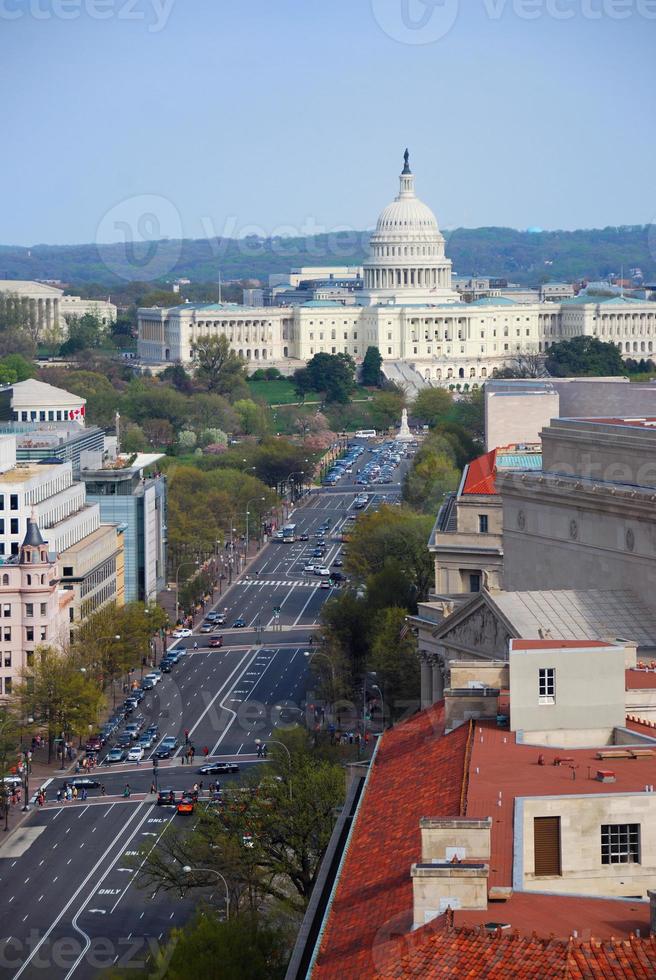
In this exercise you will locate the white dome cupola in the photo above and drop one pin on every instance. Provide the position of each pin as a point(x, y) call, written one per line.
point(406, 262)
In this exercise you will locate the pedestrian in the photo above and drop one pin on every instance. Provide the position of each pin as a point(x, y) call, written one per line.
point(75, 792)
point(206, 751)
point(195, 787)
point(102, 789)
point(211, 788)
point(186, 735)
point(84, 793)
point(69, 794)
point(200, 786)
point(195, 644)
point(126, 790)
point(153, 788)
point(193, 752)
point(182, 759)
point(59, 794)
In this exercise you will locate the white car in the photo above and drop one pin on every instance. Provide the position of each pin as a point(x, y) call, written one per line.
point(155, 676)
point(179, 634)
point(136, 753)
point(322, 571)
point(310, 568)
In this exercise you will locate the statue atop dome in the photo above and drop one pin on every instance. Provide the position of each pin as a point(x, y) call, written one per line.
point(406, 165)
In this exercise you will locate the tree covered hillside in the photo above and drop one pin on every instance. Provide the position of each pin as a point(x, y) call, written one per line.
point(525, 257)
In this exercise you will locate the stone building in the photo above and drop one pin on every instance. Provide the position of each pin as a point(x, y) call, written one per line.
point(408, 308)
point(45, 308)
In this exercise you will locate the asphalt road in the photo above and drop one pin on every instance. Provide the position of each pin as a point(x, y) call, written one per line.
point(69, 900)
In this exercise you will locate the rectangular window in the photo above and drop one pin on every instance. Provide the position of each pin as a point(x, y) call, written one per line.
point(475, 582)
point(13, 501)
point(547, 685)
point(6, 634)
point(14, 547)
point(6, 610)
point(7, 685)
point(2, 525)
point(620, 843)
point(67, 570)
point(482, 523)
point(6, 660)
point(29, 609)
point(44, 609)
point(14, 526)
point(43, 633)
point(546, 845)
point(29, 634)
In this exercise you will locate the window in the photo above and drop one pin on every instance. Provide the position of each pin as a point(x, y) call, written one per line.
point(29, 609)
point(6, 610)
point(43, 633)
point(7, 685)
point(13, 501)
point(6, 659)
point(620, 843)
point(482, 524)
point(546, 845)
point(29, 634)
point(475, 582)
point(68, 570)
point(14, 526)
point(547, 685)
point(44, 609)
point(6, 634)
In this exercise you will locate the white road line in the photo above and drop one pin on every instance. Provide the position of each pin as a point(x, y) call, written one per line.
point(88, 878)
point(220, 691)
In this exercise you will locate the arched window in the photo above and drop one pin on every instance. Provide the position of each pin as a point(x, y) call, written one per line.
point(5, 579)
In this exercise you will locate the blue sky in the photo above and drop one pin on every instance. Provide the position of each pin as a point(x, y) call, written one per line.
point(224, 116)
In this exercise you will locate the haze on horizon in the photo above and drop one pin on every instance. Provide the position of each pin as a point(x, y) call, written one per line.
point(201, 118)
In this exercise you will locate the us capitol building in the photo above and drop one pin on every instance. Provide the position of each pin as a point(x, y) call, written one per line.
point(408, 308)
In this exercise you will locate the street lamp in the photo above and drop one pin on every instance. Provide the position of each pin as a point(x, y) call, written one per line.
point(177, 585)
point(275, 741)
point(248, 503)
point(187, 870)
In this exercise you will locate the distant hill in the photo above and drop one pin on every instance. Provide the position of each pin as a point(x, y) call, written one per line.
point(524, 257)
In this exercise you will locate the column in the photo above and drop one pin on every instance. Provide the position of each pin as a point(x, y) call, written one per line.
point(426, 682)
point(438, 680)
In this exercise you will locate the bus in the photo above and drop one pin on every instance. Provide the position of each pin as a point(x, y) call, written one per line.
point(289, 533)
point(365, 434)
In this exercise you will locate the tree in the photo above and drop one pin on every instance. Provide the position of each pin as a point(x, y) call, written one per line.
point(19, 366)
point(133, 439)
point(253, 418)
point(176, 375)
point(584, 356)
point(527, 365)
point(84, 332)
point(433, 473)
point(331, 374)
point(218, 367)
point(394, 657)
point(247, 947)
point(432, 405)
point(386, 409)
point(159, 432)
point(371, 365)
point(397, 535)
point(289, 821)
point(58, 695)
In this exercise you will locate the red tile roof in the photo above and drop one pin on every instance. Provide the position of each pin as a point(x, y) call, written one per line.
point(519, 644)
point(440, 951)
point(417, 772)
point(480, 473)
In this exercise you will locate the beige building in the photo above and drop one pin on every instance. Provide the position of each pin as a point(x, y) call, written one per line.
point(45, 308)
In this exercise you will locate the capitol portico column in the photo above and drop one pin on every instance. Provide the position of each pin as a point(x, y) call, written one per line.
point(426, 682)
point(438, 680)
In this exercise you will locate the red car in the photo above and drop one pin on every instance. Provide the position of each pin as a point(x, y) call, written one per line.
point(216, 641)
point(186, 805)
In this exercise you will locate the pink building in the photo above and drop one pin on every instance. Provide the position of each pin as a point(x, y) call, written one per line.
point(33, 610)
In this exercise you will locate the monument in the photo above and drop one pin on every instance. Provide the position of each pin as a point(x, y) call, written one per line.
point(404, 434)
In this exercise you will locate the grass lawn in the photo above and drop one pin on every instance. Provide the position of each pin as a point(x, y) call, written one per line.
point(280, 392)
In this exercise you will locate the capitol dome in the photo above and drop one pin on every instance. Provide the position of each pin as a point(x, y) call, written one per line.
point(406, 258)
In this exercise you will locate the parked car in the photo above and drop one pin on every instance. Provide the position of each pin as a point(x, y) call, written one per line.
point(114, 755)
point(148, 683)
point(166, 666)
point(213, 768)
point(167, 748)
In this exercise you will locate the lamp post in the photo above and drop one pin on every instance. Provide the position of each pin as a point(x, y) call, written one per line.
point(275, 741)
point(210, 871)
point(248, 503)
point(177, 585)
point(376, 687)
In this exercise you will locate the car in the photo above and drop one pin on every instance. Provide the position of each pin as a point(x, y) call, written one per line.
point(85, 782)
point(304, 537)
point(325, 584)
point(13, 780)
point(94, 743)
point(309, 568)
point(136, 753)
point(166, 666)
point(220, 619)
point(154, 675)
point(130, 704)
point(114, 755)
point(152, 730)
point(167, 747)
point(239, 623)
point(207, 627)
point(132, 731)
point(323, 571)
point(337, 563)
point(166, 797)
point(148, 683)
point(213, 768)
point(179, 634)
point(186, 805)
point(318, 552)
point(145, 741)
point(211, 616)
point(338, 577)
point(215, 642)
point(138, 693)
point(124, 741)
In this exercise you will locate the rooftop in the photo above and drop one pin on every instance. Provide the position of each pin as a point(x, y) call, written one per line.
point(557, 644)
point(32, 392)
point(479, 475)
